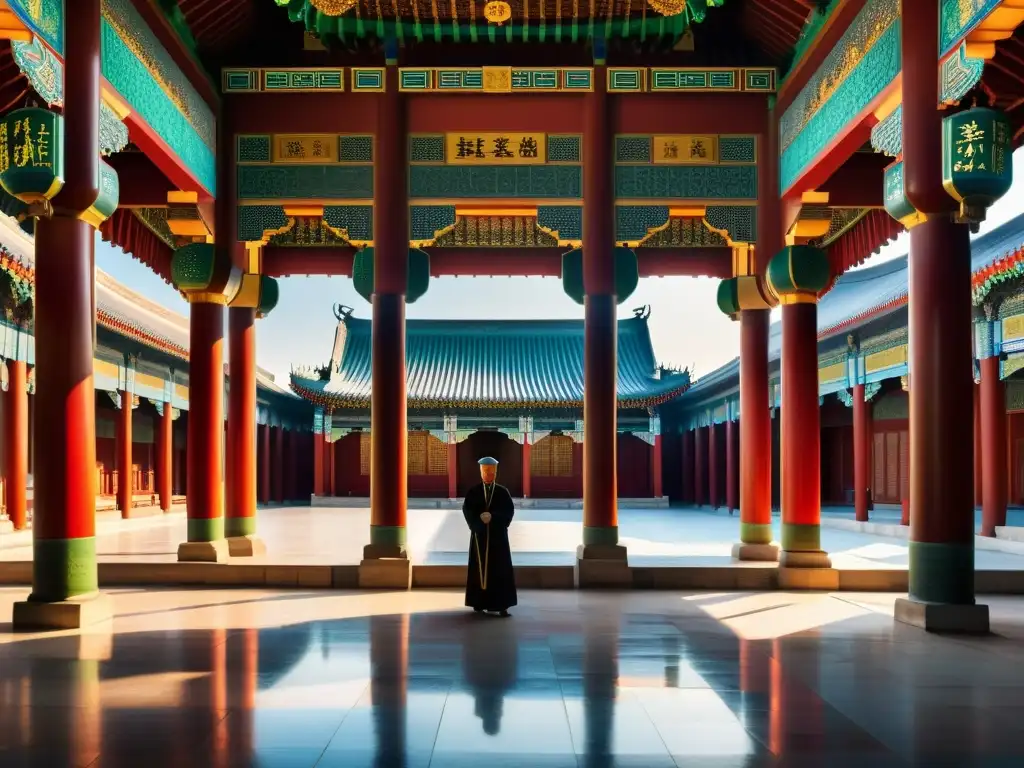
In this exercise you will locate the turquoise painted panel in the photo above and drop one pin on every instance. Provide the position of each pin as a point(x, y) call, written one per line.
point(634, 222)
point(427, 220)
point(254, 220)
point(495, 181)
point(299, 182)
point(426, 149)
point(355, 149)
point(740, 221)
point(737, 149)
point(565, 149)
point(252, 149)
point(868, 79)
point(356, 220)
point(566, 220)
point(958, 17)
point(187, 127)
point(686, 182)
point(45, 18)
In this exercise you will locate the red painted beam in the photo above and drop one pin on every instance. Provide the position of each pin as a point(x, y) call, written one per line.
point(500, 262)
point(858, 182)
point(142, 184)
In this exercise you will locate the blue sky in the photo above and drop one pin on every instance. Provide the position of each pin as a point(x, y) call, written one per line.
point(686, 326)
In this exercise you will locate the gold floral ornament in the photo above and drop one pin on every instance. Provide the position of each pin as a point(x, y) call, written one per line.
point(497, 12)
point(333, 7)
point(668, 7)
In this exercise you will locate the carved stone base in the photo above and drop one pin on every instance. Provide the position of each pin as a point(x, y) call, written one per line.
point(67, 614)
point(824, 579)
point(943, 617)
point(763, 553)
point(385, 573)
point(246, 546)
point(804, 560)
point(602, 566)
point(203, 551)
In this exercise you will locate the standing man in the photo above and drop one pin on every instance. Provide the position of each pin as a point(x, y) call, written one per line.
point(488, 509)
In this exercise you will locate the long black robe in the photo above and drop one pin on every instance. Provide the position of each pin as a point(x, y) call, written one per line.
point(492, 543)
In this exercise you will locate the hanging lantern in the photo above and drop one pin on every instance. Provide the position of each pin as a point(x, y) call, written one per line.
point(32, 154)
point(417, 279)
point(192, 267)
point(110, 193)
point(627, 274)
point(270, 292)
point(895, 196)
point(976, 166)
point(798, 274)
point(743, 292)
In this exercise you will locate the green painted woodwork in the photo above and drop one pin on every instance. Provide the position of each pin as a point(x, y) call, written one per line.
point(270, 293)
point(895, 194)
point(801, 538)
point(600, 536)
point(539, 80)
point(635, 222)
point(426, 221)
point(205, 528)
point(976, 165)
point(737, 149)
point(566, 221)
point(417, 281)
point(239, 526)
point(32, 154)
point(743, 292)
point(686, 182)
point(388, 536)
point(740, 221)
point(441, 182)
point(887, 136)
point(355, 149)
point(815, 22)
point(633, 149)
point(627, 275)
point(110, 191)
point(252, 149)
point(192, 266)
point(958, 76)
point(728, 297)
point(63, 568)
point(456, 365)
point(304, 182)
point(756, 533)
point(958, 17)
point(941, 573)
point(861, 65)
point(426, 149)
point(565, 149)
point(799, 269)
point(254, 220)
point(355, 220)
point(45, 18)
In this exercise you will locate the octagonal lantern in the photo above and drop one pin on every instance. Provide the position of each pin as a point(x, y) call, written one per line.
point(976, 160)
point(32, 154)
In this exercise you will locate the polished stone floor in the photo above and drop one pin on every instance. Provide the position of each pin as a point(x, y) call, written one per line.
point(711, 680)
point(539, 536)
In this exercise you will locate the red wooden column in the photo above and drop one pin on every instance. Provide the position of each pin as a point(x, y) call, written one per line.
point(600, 365)
point(123, 461)
point(527, 473)
point(318, 454)
point(978, 494)
point(941, 573)
point(64, 508)
point(994, 474)
point(861, 453)
point(686, 479)
point(240, 525)
point(385, 557)
point(263, 459)
point(15, 426)
point(276, 462)
point(656, 465)
point(165, 455)
point(755, 440)
point(205, 449)
point(713, 467)
point(731, 454)
point(700, 471)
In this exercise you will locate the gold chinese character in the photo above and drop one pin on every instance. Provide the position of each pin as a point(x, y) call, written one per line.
point(970, 132)
point(501, 147)
point(528, 147)
point(43, 147)
point(697, 149)
point(967, 167)
point(5, 150)
point(670, 151)
point(295, 149)
point(24, 150)
point(318, 148)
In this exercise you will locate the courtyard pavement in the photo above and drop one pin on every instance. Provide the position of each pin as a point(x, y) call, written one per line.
point(336, 535)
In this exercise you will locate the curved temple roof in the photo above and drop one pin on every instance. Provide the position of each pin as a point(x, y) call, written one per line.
point(491, 364)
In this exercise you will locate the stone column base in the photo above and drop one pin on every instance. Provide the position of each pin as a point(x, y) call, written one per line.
point(943, 617)
point(800, 559)
point(825, 579)
point(385, 573)
point(602, 566)
point(74, 613)
point(203, 551)
point(764, 553)
point(246, 546)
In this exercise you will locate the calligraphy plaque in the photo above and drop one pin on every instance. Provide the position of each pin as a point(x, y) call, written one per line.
point(471, 147)
point(305, 148)
point(685, 150)
point(887, 358)
point(497, 79)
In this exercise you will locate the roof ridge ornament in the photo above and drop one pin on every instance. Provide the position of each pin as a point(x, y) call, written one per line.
point(342, 312)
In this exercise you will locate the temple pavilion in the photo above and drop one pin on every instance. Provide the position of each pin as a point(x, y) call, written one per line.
point(772, 144)
point(508, 389)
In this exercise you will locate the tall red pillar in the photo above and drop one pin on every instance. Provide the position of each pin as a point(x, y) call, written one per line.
point(64, 507)
point(263, 449)
point(941, 547)
point(318, 455)
point(453, 467)
point(731, 454)
point(994, 474)
point(240, 524)
point(389, 461)
point(861, 453)
point(330, 472)
point(164, 456)
point(123, 461)
point(700, 472)
point(276, 465)
point(205, 449)
point(289, 464)
point(656, 468)
point(713, 467)
point(15, 426)
point(527, 473)
point(755, 441)
point(978, 494)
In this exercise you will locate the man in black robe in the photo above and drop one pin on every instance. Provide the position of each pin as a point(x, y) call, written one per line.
point(488, 509)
